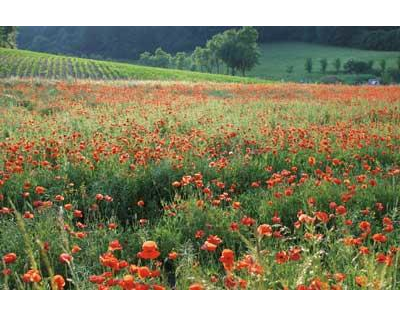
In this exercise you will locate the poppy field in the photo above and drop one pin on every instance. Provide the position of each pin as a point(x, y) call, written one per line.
point(133, 185)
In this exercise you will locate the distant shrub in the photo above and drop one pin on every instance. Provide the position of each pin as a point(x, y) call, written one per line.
point(394, 74)
point(330, 80)
point(357, 67)
point(289, 69)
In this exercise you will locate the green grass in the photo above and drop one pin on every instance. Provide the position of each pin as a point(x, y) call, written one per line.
point(21, 63)
point(276, 57)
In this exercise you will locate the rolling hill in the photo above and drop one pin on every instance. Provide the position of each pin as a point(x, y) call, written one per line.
point(22, 63)
point(273, 64)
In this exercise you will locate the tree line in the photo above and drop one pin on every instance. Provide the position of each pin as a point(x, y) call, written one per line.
point(236, 50)
point(357, 67)
point(128, 42)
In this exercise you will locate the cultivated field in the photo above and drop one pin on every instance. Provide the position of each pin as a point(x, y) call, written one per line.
point(198, 186)
point(22, 63)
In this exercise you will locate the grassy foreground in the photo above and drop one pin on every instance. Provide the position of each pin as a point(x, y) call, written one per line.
point(199, 186)
point(22, 63)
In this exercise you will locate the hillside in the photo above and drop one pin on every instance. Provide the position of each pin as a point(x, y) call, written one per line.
point(128, 42)
point(21, 63)
point(276, 57)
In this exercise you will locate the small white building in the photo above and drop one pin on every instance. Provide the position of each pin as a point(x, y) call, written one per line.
point(374, 82)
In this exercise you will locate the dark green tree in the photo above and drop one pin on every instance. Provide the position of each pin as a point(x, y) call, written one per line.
point(382, 65)
point(324, 64)
point(337, 63)
point(308, 65)
point(8, 36)
point(239, 49)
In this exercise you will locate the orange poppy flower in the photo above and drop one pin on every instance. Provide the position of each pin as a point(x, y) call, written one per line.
point(176, 184)
point(172, 255)
point(248, 221)
point(128, 282)
point(361, 281)
point(59, 198)
point(322, 216)
point(78, 214)
point(149, 250)
point(75, 249)
point(311, 161)
point(40, 190)
point(199, 234)
point(196, 286)
point(264, 230)
point(236, 205)
point(59, 281)
point(28, 215)
point(208, 246)
point(227, 258)
point(364, 250)
point(32, 276)
point(114, 245)
point(144, 272)
point(112, 226)
point(382, 258)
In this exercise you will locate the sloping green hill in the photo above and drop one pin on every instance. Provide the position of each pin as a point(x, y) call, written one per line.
point(21, 63)
point(277, 57)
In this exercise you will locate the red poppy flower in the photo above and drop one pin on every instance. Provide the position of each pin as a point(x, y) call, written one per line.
point(65, 258)
point(10, 258)
point(379, 238)
point(281, 257)
point(341, 210)
point(365, 226)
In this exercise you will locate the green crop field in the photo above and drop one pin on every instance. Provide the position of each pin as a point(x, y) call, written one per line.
point(276, 57)
point(21, 63)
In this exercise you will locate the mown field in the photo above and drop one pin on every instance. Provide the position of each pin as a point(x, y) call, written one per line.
point(276, 57)
point(198, 186)
point(21, 63)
